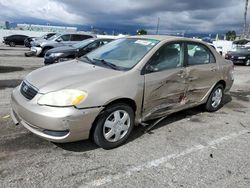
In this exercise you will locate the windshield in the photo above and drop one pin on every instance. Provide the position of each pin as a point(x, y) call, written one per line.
point(54, 36)
point(123, 53)
point(83, 43)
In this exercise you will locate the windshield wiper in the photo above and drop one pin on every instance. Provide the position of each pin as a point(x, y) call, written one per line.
point(111, 65)
point(88, 59)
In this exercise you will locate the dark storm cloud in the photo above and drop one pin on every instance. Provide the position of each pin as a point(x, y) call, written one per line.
point(175, 15)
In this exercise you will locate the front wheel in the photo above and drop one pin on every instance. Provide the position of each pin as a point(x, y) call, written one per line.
point(114, 126)
point(247, 63)
point(215, 99)
point(12, 44)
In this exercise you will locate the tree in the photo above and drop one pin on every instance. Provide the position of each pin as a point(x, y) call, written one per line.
point(231, 35)
point(141, 32)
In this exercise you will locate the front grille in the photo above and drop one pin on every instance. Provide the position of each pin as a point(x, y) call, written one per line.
point(28, 91)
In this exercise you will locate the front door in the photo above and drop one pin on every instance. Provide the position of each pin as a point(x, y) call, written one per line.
point(165, 82)
point(202, 72)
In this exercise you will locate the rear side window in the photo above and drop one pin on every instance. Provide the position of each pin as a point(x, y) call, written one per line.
point(80, 37)
point(199, 54)
point(65, 37)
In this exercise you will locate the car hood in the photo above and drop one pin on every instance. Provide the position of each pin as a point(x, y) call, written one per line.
point(38, 42)
point(68, 75)
point(62, 49)
point(238, 54)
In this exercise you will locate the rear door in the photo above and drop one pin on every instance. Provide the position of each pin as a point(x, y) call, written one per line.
point(202, 71)
point(165, 81)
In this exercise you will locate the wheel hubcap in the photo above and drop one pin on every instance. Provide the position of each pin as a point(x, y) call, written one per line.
point(116, 126)
point(217, 96)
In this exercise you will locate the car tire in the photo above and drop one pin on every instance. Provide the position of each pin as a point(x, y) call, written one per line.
point(12, 44)
point(113, 126)
point(247, 63)
point(215, 99)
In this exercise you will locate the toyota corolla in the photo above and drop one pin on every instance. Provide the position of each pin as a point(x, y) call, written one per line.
point(127, 82)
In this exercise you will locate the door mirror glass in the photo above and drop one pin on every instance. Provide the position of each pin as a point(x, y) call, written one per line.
point(151, 68)
point(59, 40)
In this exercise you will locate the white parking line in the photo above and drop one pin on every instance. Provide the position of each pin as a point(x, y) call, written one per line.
point(158, 162)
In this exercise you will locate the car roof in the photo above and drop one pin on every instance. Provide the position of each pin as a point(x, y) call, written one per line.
point(74, 34)
point(165, 38)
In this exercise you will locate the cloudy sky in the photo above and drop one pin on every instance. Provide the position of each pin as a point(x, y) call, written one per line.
point(175, 15)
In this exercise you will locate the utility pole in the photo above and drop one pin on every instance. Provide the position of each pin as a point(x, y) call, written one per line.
point(158, 24)
point(245, 17)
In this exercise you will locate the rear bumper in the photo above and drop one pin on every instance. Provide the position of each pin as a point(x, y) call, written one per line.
point(52, 123)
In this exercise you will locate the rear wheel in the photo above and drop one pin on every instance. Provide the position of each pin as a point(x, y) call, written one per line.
point(12, 44)
point(215, 99)
point(114, 126)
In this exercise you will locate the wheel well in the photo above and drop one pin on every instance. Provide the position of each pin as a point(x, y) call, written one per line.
point(47, 47)
point(127, 101)
point(222, 82)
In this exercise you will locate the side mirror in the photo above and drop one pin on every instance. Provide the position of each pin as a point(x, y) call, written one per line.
point(59, 40)
point(150, 68)
point(77, 53)
point(87, 50)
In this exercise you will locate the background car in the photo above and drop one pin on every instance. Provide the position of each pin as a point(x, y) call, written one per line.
point(28, 40)
point(240, 55)
point(77, 50)
point(126, 82)
point(40, 47)
point(14, 40)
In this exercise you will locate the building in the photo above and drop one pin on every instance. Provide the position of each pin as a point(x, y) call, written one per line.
point(45, 28)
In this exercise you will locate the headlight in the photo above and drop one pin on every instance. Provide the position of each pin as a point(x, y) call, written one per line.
point(241, 57)
point(56, 54)
point(63, 98)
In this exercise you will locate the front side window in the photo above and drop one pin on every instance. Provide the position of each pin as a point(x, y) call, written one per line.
point(198, 54)
point(169, 56)
point(123, 53)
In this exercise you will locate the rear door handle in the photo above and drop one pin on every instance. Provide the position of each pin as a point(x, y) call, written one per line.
point(181, 74)
point(213, 69)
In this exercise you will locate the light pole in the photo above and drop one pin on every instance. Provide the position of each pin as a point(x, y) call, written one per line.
point(158, 24)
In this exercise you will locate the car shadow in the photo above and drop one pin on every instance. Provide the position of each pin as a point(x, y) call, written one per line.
point(87, 145)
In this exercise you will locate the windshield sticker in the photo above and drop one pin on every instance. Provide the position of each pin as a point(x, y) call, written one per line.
point(143, 42)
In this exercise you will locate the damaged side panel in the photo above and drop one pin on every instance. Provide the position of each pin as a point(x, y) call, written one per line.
point(164, 91)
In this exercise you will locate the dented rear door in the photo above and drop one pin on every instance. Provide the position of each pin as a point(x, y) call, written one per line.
point(202, 72)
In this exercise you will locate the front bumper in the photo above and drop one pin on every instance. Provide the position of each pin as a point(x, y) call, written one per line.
point(36, 50)
point(50, 60)
point(55, 124)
